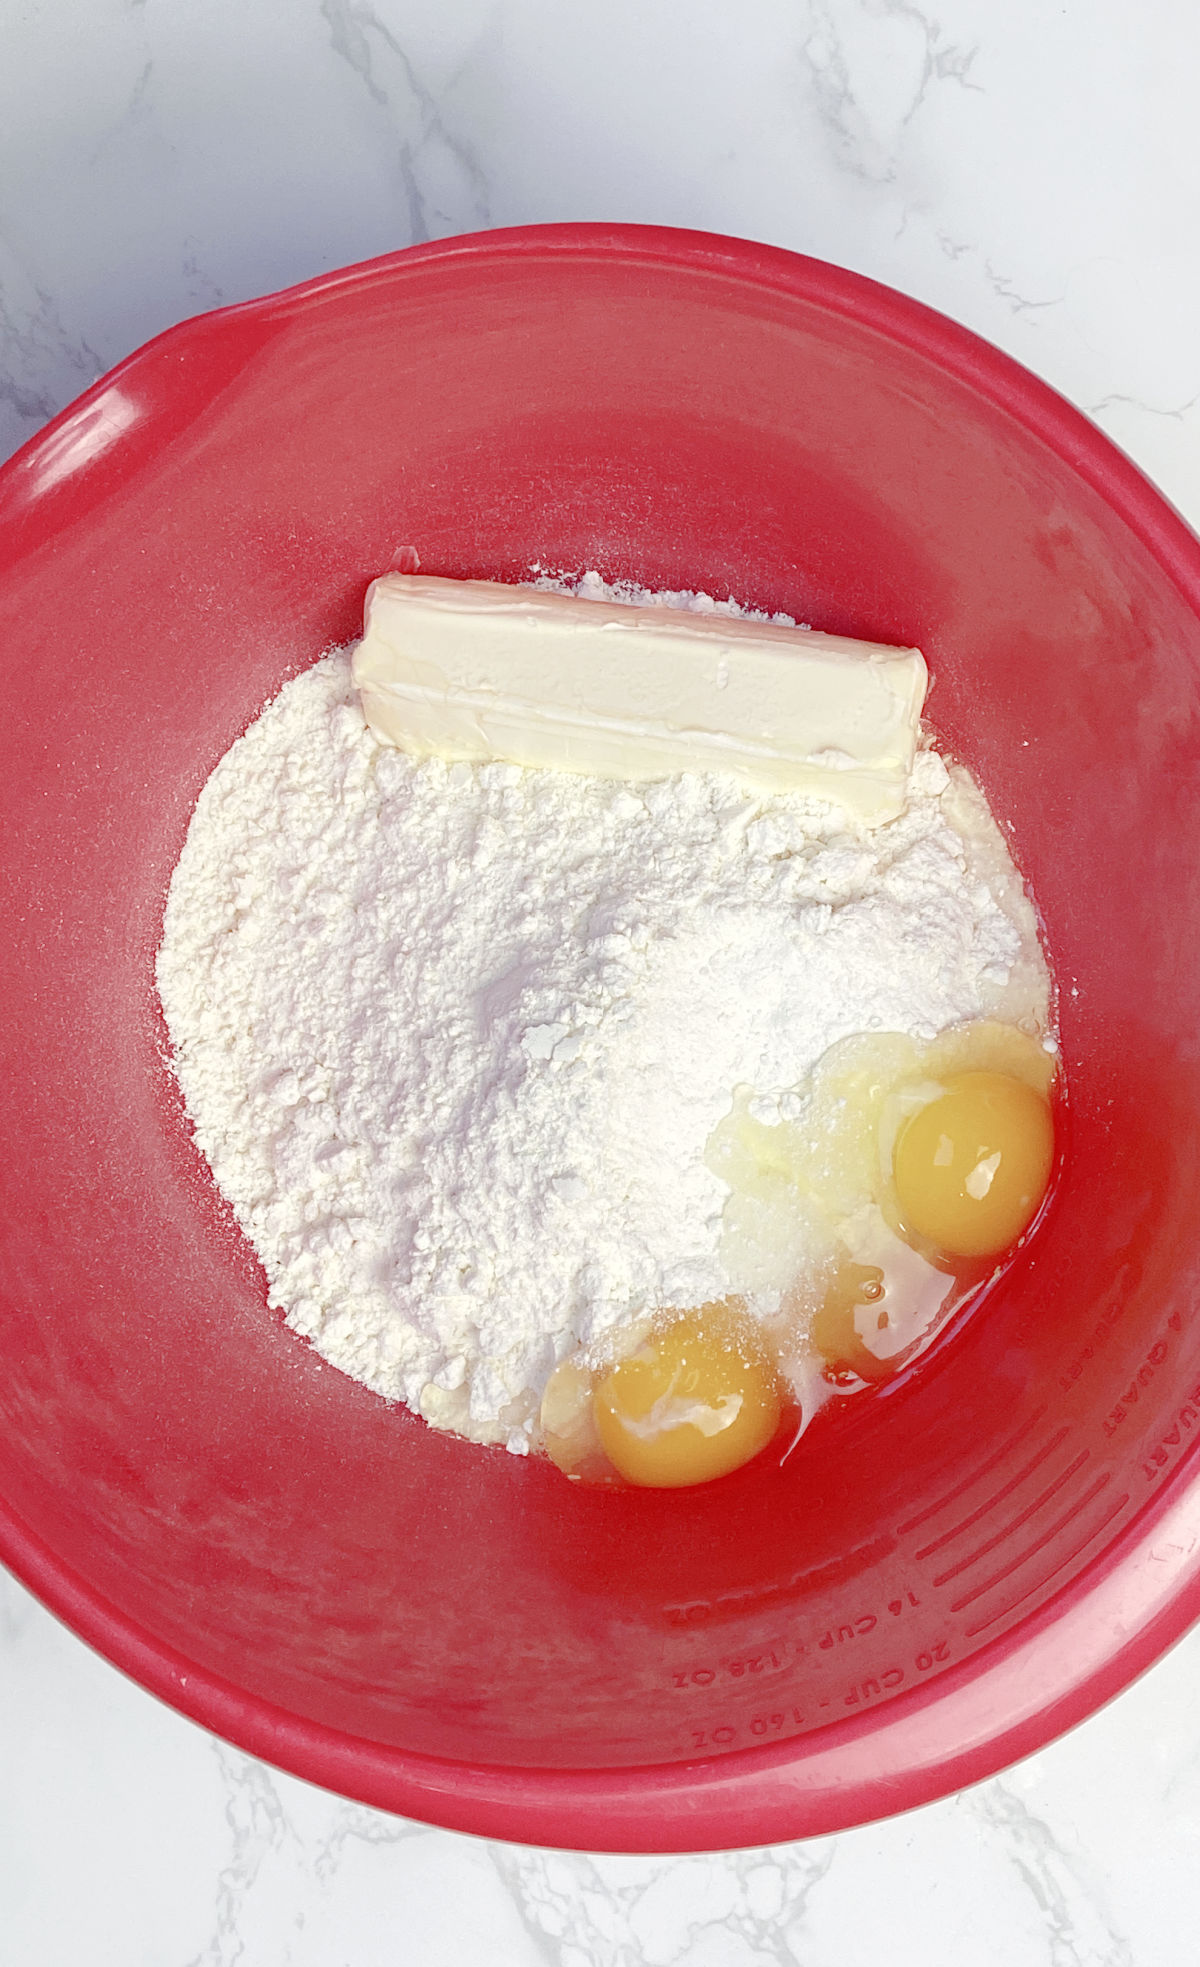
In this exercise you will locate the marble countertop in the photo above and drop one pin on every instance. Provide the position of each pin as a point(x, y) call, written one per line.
point(1032, 169)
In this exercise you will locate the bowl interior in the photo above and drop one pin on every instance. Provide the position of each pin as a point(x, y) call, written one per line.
point(203, 526)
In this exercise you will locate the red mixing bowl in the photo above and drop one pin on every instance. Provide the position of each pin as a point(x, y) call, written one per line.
point(954, 1569)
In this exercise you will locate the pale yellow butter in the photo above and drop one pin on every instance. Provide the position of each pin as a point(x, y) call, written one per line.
point(479, 669)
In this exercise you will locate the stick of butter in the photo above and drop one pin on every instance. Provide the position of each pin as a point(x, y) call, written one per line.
point(481, 669)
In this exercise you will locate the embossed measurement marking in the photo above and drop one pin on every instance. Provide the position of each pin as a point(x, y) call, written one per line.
point(1068, 1557)
point(968, 1482)
point(1168, 1445)
point(998, 1496)
point(775, 1658)
point(1143, 1376)
point(1031, 1509)
point(1046, 1537)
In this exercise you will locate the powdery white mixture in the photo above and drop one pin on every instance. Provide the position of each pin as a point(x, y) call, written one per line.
point(453, 1038)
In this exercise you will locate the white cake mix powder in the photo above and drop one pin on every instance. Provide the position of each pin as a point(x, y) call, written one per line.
point(453, 1038)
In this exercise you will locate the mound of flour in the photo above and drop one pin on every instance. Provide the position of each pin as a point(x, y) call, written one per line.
point(453, 1038)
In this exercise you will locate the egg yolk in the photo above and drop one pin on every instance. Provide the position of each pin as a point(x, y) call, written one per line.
point(695, 1401)
point(835, 1327)
point(972, 1166)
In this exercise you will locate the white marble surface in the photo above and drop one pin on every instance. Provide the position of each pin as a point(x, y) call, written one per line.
point(1030, 167)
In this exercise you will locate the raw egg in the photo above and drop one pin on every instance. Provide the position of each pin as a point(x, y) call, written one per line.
point(881, 1303)
point(697, 1399)
point(840, 1205)
point(858, 1209)
point(972, 1165)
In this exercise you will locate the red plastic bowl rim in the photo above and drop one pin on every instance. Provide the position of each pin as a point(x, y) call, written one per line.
point(1080, 1650)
